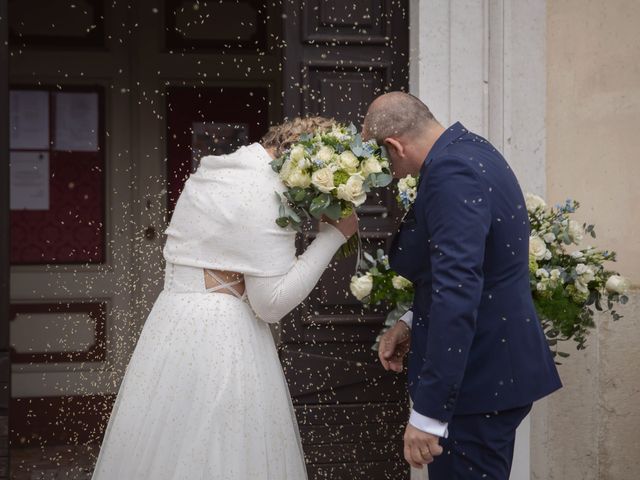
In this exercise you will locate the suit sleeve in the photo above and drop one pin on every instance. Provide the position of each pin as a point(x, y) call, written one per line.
point(456, 211)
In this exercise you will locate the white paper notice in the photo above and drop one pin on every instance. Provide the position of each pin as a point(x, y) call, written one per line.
point(29, 119)
point(76, 122)
point(29, 181)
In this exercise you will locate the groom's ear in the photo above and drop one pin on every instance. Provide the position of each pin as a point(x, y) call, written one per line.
point(395, 146)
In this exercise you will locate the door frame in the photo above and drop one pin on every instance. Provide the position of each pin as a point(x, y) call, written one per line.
point(5, 365)
point(484, 63)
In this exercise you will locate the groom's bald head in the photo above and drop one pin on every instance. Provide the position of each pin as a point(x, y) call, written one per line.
point(396, 114)
point(405, 126)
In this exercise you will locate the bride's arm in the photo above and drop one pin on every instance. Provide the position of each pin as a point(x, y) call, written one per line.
point(273, 297)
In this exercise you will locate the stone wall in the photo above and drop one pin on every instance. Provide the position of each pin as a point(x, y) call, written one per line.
point(591, 429)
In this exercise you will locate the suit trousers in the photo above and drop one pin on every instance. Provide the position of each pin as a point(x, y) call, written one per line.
point(479, 446)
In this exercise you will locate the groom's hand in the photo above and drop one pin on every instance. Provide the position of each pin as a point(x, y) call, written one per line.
point(394, 345)
point(420, 447)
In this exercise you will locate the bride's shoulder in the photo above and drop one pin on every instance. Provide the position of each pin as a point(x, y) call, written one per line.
point(248, 158)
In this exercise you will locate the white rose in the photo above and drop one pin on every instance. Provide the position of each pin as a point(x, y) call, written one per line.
point(353, 190)
point(555, 274)
point(287, 169)
point(581, 269)
point(297, 153)
point(338, 133)
point(576, 232)
point(348, 161)
point(534, 202)
point(298, 178)
point(537, 248)
point(541, 286)
point(325, 154)
point(617, 284)
point(549, 237)
point(581, 285)
point(586, 274)
point(406, 183)
point(541, 272)
point(577, 254)
point(371, 165)
point(304, 163)
point(323, 180)
point(361, 286)
point(400, 283)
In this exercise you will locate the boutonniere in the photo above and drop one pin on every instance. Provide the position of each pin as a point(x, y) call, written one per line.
point(407, 192)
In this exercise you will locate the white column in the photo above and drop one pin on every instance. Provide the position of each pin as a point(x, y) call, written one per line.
point(482, 62)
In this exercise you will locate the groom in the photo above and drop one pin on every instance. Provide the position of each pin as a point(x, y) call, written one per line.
point(478, 357)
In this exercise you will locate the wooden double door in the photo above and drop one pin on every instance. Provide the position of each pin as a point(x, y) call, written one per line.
point(176, 76)
point(351, 413)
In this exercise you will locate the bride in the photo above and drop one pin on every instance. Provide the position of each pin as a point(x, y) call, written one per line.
point(204, 395)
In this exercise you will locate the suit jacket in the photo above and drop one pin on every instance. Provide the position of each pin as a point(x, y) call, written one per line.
point(477, 345)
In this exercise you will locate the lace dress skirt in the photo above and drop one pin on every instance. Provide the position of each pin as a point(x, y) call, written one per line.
point(204, 395)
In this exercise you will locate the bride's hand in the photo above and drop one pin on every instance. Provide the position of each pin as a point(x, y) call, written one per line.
point(348, 225)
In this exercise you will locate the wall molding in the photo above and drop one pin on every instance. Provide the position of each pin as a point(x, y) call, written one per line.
point(96, 352)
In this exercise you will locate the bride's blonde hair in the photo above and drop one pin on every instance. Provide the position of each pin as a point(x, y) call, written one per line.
point(281, 137)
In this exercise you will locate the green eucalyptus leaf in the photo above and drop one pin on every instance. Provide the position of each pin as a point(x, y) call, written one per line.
point(384, 153)
point(333, 211)
point(299, 195)
point(319, 204)
point(294, 216)
point(282, 221)
point(383, 179)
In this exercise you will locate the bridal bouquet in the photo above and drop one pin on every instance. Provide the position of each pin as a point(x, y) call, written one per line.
point(329, 173)
point(568, 283)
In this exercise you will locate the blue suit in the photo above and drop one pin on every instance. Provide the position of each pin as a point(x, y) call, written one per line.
point(477, 346)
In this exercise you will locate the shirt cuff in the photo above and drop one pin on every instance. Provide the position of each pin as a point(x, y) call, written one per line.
point(429, 425)
point(407, 318)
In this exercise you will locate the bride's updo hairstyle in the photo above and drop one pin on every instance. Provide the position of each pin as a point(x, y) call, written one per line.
point(281, 137)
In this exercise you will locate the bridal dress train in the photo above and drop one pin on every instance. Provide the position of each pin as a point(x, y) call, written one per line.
point(204, 395)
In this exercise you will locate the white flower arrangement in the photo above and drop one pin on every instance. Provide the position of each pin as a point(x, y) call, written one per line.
point(329, 173)
point(377, 286)
point(569, 283)
point(568, 287)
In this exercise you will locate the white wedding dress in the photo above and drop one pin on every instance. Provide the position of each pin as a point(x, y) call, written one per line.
point(204, 395)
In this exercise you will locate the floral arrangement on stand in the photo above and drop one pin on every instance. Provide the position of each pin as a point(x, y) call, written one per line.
point(329, 173)
point(568, 283)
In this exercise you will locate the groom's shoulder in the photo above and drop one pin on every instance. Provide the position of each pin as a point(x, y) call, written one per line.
point(450, 161)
